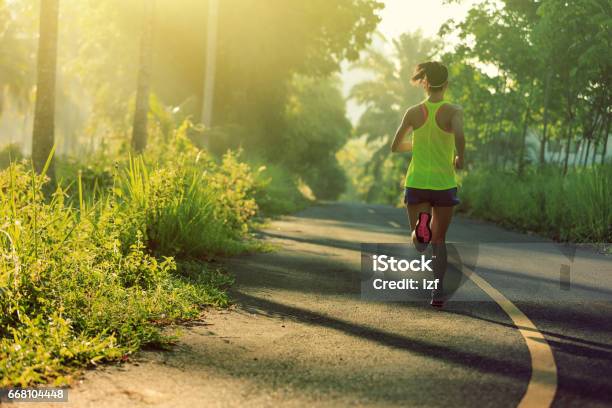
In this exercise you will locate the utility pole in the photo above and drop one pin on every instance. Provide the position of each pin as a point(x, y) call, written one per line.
point(43, 135)
point(211, 59)
point(141, 111)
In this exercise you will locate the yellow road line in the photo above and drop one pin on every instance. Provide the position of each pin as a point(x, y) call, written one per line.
point(394, 224)
point(543, 382)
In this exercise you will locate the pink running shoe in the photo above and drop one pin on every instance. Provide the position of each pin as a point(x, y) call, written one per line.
point(437, 299)
point(423, 230)
point(437, 303)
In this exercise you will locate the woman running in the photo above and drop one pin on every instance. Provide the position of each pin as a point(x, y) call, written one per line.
point(437, 149)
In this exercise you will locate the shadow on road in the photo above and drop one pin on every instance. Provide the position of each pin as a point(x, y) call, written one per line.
point(475, 361)
point(584, 350)
point(320, 256)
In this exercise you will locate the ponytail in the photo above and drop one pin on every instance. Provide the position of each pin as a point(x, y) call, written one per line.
point(430, 74)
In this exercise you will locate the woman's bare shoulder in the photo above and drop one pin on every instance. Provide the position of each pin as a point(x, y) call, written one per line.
point(415, 110)
point(453, 107)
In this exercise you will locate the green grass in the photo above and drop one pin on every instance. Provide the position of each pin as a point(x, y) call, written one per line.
point(92, 272)
point(277, 191)
point(577, 207)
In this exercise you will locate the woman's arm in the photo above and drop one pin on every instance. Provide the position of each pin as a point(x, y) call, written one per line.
point(399, 145)
point(457, 127)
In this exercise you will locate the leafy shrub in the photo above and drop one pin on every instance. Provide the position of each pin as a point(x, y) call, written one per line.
point(84, 280)
point(327, 181)
point(41, 350)
point(577, 207)
point(90, 272)
point(96, 172)
point(190, 206)
point(276, 191)
point(54, 277)
point(10, 153)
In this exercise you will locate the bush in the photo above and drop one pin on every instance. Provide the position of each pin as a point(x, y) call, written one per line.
point(91, 271)
point(577, 207)
point(87, 279)
point(327, 181)
point(10, 153)
point(187, 211)
point(276, 191)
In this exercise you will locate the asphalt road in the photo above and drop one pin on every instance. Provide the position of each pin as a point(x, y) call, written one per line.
point(300, 335)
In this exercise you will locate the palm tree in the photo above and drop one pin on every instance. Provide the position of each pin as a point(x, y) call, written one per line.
point(139, 131)
point(211, 58)
point(44, 111)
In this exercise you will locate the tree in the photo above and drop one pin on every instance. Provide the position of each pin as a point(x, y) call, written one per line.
point(141, 112)
point(317, 127)
point(44, 114)
point(552, 59)
point(211, 63)
point(575, 38)
point(263, 44)
point(14, 59)
point(502, 37)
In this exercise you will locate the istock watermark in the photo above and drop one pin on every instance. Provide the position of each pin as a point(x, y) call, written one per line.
point(523, 271)
point(382, 263)
point(397, 272)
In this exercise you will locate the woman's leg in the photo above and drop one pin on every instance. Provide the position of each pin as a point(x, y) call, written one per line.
point(413, 211)
point(440, 221)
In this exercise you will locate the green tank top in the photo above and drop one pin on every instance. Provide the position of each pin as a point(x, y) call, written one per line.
point(433, 153)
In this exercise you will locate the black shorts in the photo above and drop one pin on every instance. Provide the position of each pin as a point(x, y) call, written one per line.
point(436, 198)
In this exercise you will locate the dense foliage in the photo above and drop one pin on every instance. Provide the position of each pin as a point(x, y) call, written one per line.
point(92, 273)
point(95, 259)
point(533, 78)
point(319, 128)
point(268, 54)
point(577, 207)
point(551, 80)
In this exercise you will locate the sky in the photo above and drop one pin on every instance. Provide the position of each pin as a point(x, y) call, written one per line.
point(400, 16)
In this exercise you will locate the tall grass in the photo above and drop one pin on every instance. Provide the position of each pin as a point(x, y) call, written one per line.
point(577, 207)
point(90, 273)
point(181, 209)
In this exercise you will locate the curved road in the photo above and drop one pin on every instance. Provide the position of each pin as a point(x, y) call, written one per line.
point(300, 335)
